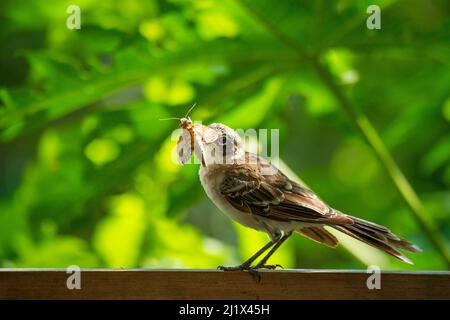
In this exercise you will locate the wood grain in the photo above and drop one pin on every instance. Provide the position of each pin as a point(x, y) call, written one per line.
point(218, 285)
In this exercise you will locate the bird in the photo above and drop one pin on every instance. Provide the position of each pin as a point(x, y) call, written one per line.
point(252, 191)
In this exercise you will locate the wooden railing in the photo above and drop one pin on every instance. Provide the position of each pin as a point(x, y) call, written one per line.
point(214, 284)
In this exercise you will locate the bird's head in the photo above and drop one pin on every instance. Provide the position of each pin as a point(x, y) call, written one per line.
point(222, 144)
point(213, 144)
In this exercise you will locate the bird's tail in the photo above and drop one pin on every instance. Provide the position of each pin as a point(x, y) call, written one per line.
point(379, 237)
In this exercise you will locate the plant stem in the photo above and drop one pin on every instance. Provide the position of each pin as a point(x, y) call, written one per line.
point(372, 137)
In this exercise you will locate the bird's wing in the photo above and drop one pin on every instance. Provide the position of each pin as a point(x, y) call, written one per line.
point(275, 196)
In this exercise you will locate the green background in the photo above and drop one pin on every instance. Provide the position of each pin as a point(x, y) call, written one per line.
point(86, 176)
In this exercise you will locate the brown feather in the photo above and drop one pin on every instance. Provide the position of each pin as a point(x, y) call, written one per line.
point(379, 237)
point(320, 235)
point(274, 196)
point(279, 198)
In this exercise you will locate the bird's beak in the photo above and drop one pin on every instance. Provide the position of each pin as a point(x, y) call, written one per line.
point(198, 133)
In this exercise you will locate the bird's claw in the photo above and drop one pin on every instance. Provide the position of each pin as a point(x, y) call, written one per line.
point(242, 267)
point(269, 266)
point(253, 270)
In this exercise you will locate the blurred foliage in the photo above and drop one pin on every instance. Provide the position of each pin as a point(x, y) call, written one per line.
point(86, 175)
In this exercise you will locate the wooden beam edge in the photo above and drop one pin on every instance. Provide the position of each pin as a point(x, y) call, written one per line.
point(210, 284)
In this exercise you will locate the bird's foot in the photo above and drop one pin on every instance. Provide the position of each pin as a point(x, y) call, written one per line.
point(242, 267)
point(268, 266)
point(253, 270)
point(246, 267)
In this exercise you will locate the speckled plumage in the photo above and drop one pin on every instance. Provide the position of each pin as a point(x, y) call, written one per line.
point(236, 183)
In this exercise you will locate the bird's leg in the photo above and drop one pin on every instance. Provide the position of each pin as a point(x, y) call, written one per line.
point(262, 263)
point(247, 264)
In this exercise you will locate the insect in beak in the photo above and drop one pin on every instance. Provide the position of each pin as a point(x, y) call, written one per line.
point(186, 140)
point(194, 138)
point(191, 140)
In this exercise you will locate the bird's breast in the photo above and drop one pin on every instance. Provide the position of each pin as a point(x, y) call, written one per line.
point(211, 178)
